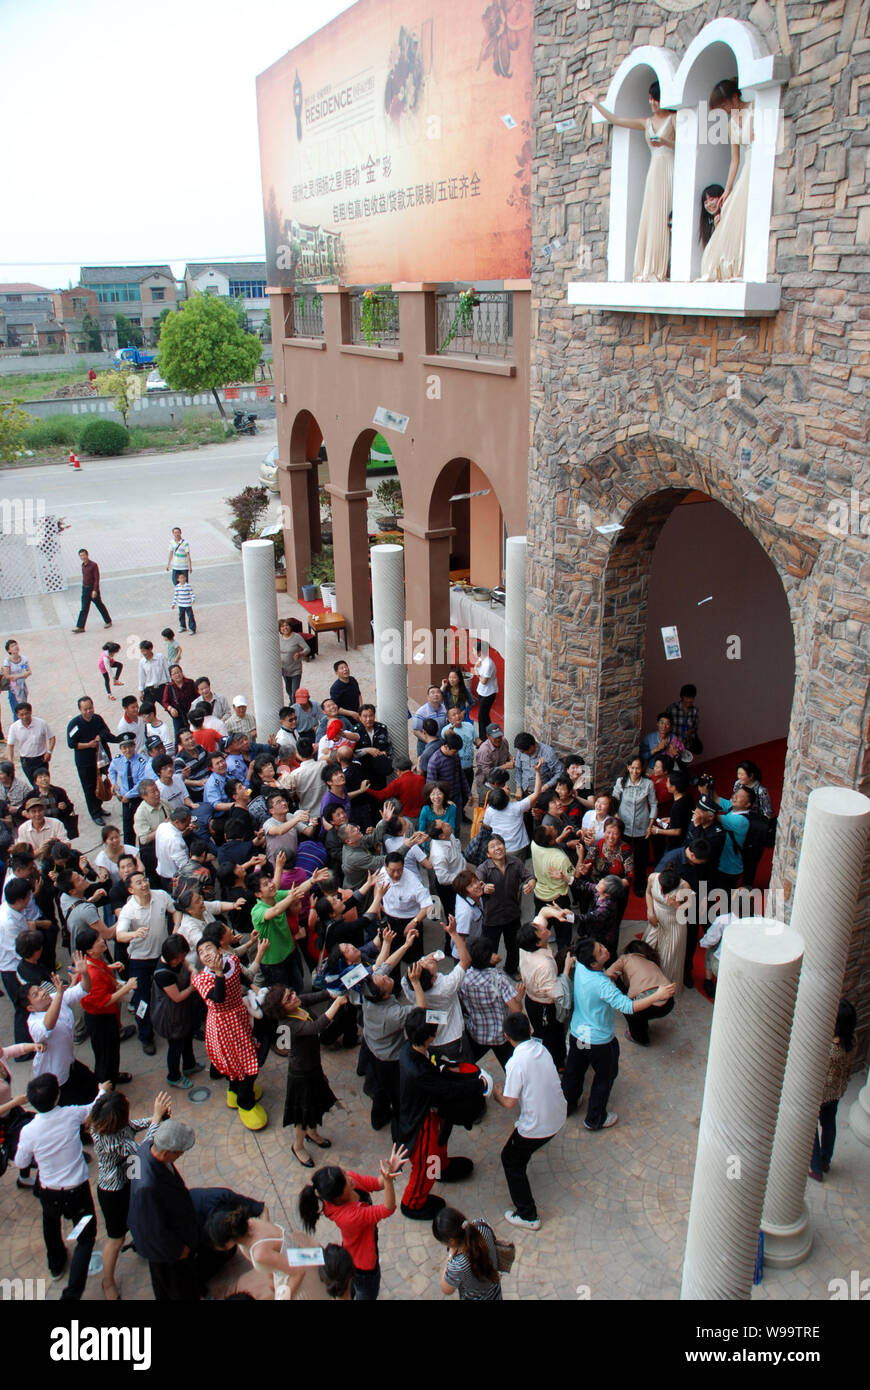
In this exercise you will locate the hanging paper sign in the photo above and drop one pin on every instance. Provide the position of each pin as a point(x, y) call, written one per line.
point(671, 639)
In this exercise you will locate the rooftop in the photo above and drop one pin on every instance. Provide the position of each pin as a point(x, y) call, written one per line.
point(121, 274)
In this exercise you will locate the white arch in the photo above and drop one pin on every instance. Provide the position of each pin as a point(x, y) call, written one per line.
point(756, 65)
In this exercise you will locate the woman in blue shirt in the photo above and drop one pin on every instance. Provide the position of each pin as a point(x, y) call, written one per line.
point(436, 806)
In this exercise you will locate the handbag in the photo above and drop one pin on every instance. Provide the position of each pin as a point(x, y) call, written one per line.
point(505, 1254)
point(103, 788)
point(477, 816)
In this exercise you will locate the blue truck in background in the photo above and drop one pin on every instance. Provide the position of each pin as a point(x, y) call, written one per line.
point(133, 357)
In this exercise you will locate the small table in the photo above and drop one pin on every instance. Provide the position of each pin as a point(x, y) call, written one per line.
point(329, 622)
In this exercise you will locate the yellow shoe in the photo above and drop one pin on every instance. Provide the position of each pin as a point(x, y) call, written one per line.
point(254, 1119)
point(258, 1090)
point(232, 1100)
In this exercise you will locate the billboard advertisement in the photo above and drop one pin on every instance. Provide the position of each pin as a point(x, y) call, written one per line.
point(396, 145)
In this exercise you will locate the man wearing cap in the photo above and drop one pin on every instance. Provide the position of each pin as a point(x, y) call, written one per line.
point(330, 740)
point(170, 847)
point(125, 773)
point(308, 712)
point(705, 826)
point(240, 722)
point(150, 813)
point(33, 739)
point(162, 1218)
point(492, 753)
point(130, 723)
point(38, 828)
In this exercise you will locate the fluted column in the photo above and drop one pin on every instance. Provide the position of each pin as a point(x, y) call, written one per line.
point(258, 567)
point(825, 897)
point(859, 1114)
point(391, 672)
point(515, 637)
point(755, 997)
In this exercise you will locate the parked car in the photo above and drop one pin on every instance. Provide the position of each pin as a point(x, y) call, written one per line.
point(155, 382)
point(269, 469)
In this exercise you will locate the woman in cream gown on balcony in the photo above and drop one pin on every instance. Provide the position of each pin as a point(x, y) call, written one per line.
point(724, 252)
point(652, 252)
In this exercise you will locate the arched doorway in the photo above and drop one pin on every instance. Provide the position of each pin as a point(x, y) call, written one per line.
point(691, 597)
point(462, 541)
point(299, 484)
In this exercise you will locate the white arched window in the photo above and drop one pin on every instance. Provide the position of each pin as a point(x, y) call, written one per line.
point(724, 48)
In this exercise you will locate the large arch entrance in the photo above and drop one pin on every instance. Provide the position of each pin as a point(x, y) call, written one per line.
point(299, 486)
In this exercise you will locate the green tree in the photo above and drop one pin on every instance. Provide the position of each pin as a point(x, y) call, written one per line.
point(157, 327)
point(13, 423)
point(202, 347)
point(92, 334)
point(123, 388)
point(129, 334)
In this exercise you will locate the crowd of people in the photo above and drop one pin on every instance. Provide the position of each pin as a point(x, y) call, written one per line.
point(271, 892)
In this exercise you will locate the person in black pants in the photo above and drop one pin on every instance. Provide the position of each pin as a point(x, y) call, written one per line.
point(100, 1006)
point(91, 593)
point(162, 1218)
point(84, 735)
point(51, 1140)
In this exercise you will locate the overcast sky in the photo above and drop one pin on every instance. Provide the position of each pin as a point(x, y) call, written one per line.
point(129, 131)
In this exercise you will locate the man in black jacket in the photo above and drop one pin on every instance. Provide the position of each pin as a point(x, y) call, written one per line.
point(431, 1100)
point(84, 735)
point(162, 1216)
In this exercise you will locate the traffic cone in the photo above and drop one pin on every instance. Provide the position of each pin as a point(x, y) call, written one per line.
point(74, 459)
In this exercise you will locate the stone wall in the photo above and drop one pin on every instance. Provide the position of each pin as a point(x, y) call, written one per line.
point(770, 417)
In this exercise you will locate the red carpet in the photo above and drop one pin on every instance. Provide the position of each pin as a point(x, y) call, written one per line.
point(770, 757)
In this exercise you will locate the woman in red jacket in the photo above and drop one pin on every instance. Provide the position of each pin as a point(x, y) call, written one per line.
point(343, 1196)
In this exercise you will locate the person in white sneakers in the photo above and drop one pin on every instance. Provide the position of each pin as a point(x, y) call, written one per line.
point(531, 1082)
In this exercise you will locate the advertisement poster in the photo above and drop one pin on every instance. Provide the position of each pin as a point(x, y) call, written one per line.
point(396, 145)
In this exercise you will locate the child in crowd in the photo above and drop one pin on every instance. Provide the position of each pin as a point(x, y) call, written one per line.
point(107, 663)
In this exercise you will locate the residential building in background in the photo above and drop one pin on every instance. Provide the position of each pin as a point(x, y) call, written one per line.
point(26, 315)
point(232, 280)
point(140, 292)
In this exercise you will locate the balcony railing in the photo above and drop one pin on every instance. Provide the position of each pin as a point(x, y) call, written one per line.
point(306, 320)
point(487, 332)
point(374, 322)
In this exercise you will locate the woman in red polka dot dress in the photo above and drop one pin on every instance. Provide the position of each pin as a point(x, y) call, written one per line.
point(229, 1040)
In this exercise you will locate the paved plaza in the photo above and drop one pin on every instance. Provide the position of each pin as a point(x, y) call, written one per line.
point(614, 1204)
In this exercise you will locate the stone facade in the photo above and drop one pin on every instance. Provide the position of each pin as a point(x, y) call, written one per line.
point(769, 417)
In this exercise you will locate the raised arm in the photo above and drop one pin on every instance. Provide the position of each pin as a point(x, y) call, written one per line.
point(626, 122)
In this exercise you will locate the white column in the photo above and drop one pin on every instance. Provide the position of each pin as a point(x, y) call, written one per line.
point(258, 567)
point(755, 997)
point(388, 615)
point(825, 897)
point(515, 638)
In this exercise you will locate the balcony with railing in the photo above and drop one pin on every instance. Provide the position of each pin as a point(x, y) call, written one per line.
point(374, 318)
point(306, 317)
point(478, 325)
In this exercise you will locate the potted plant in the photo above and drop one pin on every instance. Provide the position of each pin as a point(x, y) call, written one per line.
point(389, 496)
point(248, 508)
point(321, 572)
point(463, 319)
point(377, 313)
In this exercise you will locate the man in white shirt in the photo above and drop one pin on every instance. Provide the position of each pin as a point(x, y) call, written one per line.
point(487, 686)
point(531, 1082)
point(52, 1140)
point(50, 1020)
point(286, 736)
point(442, 993)
point(14, 920)
point(150, 814)
point(506, 817)
point(142, 924)
point(406, 901)
point(39, 828)
point(220, 705)
point(173, 791)
point(306, 783)
point(172, 853)
point(155, 729)
point(153, 673)
point(130, 723)
point(33, 739)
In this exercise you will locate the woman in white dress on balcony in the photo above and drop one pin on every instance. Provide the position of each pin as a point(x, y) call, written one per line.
point(723, 254)
point(652, 252)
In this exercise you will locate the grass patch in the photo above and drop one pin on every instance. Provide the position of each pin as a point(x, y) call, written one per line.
point(36, 386)
point(177, 436)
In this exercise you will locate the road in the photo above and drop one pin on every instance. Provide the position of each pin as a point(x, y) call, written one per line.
point(123, 510)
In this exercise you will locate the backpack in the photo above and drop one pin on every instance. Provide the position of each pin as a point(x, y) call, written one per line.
point(760, 835)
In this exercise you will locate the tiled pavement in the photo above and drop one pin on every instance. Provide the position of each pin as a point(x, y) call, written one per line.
point(613, 1204)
